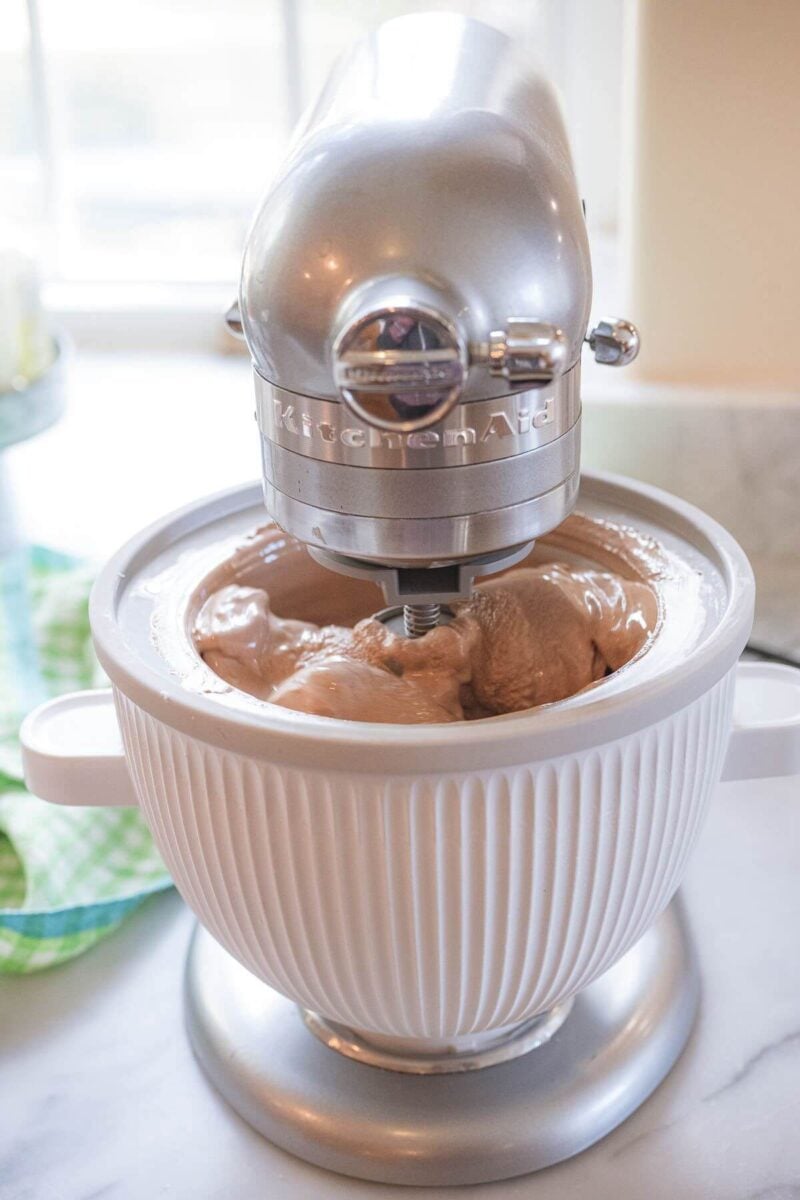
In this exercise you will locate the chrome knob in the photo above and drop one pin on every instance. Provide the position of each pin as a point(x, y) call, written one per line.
point(614, 342)
point(400, 368)
point(527, 351)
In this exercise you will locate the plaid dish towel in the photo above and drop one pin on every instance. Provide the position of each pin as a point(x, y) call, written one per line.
point(68, 876)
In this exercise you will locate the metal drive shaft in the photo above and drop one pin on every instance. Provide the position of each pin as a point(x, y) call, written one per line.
point(420, 618)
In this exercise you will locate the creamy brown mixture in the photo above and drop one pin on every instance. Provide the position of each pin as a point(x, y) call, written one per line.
point(532, 636)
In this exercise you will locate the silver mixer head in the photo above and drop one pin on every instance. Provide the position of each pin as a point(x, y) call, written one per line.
point(415, 295)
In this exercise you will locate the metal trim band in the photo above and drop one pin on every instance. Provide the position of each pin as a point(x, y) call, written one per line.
point(422, 540)
point(431, 493)
point(475, 431)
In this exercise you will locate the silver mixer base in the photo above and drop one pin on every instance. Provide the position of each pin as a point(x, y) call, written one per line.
point(623, 1035)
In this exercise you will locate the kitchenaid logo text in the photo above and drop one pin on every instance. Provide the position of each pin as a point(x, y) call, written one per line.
point(496, 426)
point(420, 374)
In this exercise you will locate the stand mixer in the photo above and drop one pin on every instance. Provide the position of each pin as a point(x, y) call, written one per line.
point(415, 296)
point(435, 954)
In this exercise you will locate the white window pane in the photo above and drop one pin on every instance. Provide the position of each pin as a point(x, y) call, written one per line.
point(167, 120)
point(22, 190)
point(171, 118)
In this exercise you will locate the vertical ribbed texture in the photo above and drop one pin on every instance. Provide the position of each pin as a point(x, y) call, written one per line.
point(431, 906)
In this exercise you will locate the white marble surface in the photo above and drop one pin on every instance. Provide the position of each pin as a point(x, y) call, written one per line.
point(100, 1097)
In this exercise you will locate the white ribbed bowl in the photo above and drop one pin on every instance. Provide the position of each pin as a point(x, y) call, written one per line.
point(430, 906)
point(355, 871)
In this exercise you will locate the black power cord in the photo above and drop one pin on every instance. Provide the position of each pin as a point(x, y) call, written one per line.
point(771, 656)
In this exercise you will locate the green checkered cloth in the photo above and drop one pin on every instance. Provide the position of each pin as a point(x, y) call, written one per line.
point(68, 876)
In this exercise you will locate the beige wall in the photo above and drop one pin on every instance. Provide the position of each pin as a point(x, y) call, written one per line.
point(711, 208)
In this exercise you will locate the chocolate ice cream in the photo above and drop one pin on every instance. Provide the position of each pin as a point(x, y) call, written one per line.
point(530, 637)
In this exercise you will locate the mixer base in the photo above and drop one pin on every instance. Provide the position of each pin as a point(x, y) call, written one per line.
point(624, 1033)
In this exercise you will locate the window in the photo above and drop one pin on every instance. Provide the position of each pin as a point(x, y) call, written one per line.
point(137, 136)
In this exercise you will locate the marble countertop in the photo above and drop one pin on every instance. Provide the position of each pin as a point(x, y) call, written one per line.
point(102, 1100)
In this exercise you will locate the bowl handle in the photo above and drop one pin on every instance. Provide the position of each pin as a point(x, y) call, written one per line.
point(765, 738)
point(72, 751)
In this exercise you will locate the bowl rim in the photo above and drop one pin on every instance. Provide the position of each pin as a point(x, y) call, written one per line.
point(540, 734)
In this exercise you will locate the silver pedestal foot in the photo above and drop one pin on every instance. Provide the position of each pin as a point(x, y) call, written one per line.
point(622, 1036)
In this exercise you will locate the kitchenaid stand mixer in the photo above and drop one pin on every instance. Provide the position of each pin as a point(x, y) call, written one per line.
point(415, 296)
point(430, 954)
